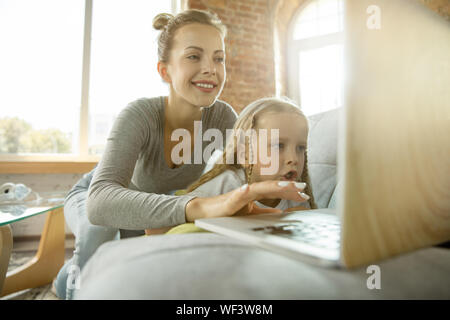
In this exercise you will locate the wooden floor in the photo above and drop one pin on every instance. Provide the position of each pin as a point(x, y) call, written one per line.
point(23, 251)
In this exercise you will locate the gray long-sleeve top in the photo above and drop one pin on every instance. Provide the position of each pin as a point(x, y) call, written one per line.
point(131, 184)
point(232, 179)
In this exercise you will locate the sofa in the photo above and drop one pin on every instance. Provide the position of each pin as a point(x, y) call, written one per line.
point(211, 266)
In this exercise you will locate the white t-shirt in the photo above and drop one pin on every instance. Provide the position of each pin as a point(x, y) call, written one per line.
point(232, 179)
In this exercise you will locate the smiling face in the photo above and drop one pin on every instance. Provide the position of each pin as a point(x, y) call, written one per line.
point(293, 133)
point(196, 67)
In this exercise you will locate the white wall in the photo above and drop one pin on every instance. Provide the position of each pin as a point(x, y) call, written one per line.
point(40, 183)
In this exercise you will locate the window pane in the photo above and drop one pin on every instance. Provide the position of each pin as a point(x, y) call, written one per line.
point(319, 17)
point(40, 79)
point(329, 24)
point(123, 61)
point(321, 78)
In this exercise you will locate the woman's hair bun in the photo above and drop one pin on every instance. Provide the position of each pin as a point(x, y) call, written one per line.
point(161, 20)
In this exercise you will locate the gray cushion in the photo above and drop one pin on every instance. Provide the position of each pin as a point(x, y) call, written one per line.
point(210, 266)
point(322, 148)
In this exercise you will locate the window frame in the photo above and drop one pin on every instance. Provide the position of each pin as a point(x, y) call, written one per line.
point(295, 46)
point(77, 162)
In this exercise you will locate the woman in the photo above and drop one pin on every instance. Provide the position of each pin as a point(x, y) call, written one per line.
point(131, 186)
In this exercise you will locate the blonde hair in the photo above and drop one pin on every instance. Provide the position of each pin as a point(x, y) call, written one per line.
point(169, 24)
point(246, 121)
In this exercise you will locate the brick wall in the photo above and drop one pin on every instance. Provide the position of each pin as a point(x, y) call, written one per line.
point(249, 48)
point(252, 71)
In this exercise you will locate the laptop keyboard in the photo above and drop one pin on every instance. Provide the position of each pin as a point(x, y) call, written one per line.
point(319, 234)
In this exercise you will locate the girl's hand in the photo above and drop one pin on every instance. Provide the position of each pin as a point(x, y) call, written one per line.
point(299, 208)
point(150, 232)
point(241, 200)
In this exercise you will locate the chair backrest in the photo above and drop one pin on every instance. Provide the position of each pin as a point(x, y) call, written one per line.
point(322, 149)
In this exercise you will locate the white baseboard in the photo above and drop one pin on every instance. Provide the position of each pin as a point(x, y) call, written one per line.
point(32, 227)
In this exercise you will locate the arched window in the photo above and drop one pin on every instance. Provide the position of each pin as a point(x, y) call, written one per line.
point(315, 56)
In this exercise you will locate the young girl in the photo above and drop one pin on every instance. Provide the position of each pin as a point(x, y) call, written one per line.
point(288, 153)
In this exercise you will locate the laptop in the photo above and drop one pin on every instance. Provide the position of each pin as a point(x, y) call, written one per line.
point(393, 153)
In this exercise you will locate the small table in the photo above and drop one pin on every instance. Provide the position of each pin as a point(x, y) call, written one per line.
point(49, 259)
